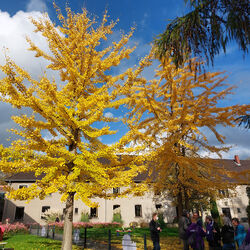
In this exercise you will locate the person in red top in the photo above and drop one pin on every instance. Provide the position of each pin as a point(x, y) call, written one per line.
point(2, 229)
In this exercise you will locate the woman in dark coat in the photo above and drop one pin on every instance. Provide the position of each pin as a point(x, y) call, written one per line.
point(247, 239)
point(213, 234)
point(227, 234)
point(155, 231)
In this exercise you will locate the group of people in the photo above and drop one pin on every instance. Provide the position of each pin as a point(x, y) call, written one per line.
point(232, 233)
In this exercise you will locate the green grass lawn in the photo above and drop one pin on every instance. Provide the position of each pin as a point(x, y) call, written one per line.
point(169, 240)
point(102, 233)
point(30, 242)
point(168, 236)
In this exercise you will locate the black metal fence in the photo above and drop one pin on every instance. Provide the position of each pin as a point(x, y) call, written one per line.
point(101, 238)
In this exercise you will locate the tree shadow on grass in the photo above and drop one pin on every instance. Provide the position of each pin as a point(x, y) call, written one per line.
point(31, 242)
point(47, 244)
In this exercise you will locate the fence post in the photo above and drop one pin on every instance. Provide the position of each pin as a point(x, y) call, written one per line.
point(53, 232)
point(48, 231)
point(85, 237)
point(145, 242)
point(30, 229)
point(38, 227)
point(109, 240)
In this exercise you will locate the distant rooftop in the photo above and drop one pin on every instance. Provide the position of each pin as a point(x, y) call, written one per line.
point(229, 164)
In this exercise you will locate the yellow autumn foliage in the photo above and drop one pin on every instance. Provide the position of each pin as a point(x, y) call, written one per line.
point(60, 140)
point(169, 116)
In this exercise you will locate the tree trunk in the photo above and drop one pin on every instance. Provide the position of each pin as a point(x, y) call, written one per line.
point(179, 204)
point(68, 220)
point(186, 200)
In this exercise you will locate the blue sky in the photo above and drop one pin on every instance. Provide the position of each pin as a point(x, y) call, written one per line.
point(150, 19)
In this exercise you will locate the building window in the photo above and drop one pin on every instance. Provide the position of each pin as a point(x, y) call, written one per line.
point(116, 206)
point(224, 193)
point(158, 206)
point(19, 213)
point(226, 211)
point(238, 210)
point(76, 210)
point(23, 186)
point(116, 190)
point(138, 211)
point(44, 209)
point(157, 192)
point(93, 212)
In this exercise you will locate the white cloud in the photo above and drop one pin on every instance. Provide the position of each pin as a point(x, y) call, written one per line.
point(236, 137)
point(243, 153)
point(36, 5)
point(144, 20)
point(13, 34)
point(108, 115)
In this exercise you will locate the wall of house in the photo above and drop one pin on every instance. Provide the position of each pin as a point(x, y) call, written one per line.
point(237, 203)
point(33, 209)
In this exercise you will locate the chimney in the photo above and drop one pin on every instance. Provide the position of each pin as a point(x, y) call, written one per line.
point(237, 160)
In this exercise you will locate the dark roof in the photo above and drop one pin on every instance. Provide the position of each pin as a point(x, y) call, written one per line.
point(23, 177)
point(230, 165)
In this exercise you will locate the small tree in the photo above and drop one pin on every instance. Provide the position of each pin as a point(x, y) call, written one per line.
point(214, 209)
point(60, 142)
point(161, 220)
point(84, 216)
point(248, 207)
point(51, 215)
point(117, 217)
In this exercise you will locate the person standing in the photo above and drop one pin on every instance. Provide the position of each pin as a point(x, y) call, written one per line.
point(213, 234)
point(184, 222)
point(239, 231)
point(247, 239)
point(198, 218)
point(155, 231)
point(227, 234)
point(195, 234)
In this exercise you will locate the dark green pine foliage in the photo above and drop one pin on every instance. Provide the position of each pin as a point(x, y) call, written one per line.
point(214, 210)
point(244, 120)
point(248, 207)
point(205, 30)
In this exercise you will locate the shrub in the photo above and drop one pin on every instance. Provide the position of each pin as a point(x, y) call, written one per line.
point(144, 224)
point(85, 216)
point(161, 220)
point(134, 224)
point(248, 212)
point(10, 229)
point(59, 225)
point(117, 217)
point(214, 210)
point(175, 220)
point(51, 214)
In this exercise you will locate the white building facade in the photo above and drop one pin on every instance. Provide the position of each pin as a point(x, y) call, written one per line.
point(133, 209)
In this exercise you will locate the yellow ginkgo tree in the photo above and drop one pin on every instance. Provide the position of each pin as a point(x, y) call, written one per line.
point(59, 139)
point(170, 117)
